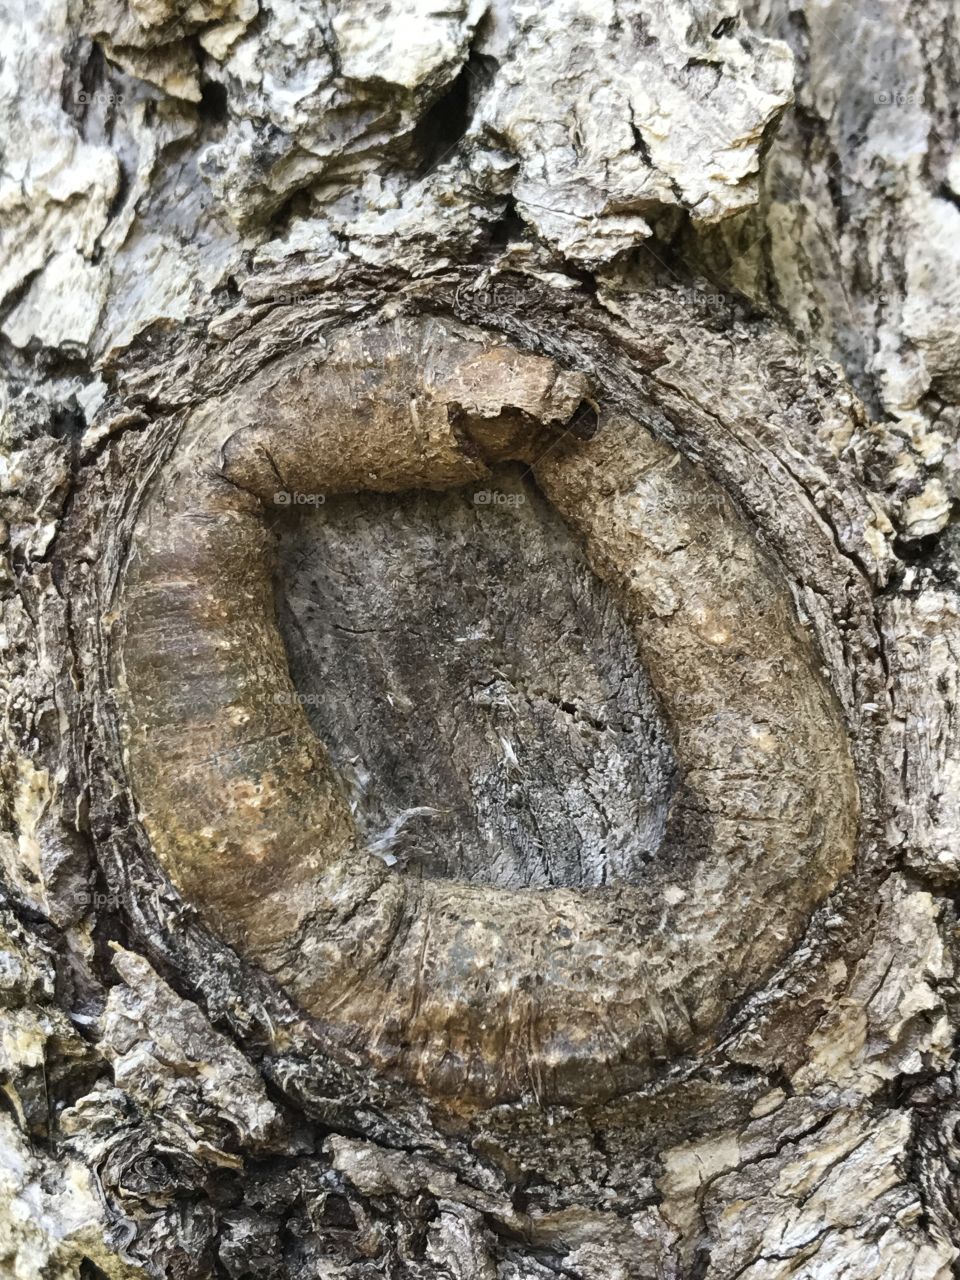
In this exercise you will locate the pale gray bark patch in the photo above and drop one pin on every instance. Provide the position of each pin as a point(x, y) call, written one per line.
point(175, 141)
point(856, 234)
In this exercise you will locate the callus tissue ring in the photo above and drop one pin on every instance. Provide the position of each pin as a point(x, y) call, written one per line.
point(475, 995)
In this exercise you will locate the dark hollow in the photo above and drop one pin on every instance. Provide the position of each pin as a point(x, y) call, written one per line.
point(478, 689)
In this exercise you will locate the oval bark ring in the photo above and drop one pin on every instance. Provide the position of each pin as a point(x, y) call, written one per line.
point(475, 995)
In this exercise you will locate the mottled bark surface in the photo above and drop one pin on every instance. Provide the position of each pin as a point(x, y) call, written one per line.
point(480, 636)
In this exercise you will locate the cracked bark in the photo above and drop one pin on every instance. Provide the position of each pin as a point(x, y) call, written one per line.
point(480, 738)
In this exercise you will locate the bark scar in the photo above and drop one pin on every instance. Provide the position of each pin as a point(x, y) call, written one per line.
point(487, 995)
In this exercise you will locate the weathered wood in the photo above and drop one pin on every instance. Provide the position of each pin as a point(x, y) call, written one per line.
point(660, 741)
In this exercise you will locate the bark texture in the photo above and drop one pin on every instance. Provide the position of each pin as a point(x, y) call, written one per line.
point(480, 634)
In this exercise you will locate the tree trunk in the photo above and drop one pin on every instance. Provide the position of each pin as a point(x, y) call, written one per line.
point(480, 622)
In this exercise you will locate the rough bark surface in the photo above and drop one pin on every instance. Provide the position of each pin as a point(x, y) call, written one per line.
point(480, 633)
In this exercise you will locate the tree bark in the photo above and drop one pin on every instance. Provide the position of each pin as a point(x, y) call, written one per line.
point(480, 615)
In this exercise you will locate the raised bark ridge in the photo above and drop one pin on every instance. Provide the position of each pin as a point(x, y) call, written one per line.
point(477, 995)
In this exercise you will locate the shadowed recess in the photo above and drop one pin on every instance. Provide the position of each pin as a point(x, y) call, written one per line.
point(477, 687)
